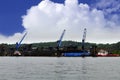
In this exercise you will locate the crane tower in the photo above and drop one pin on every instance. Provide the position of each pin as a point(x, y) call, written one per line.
point(83, 39)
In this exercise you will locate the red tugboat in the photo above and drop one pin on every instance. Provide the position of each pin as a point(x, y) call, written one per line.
point(103, 53)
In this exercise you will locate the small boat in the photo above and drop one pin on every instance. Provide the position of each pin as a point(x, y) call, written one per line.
point(17, 53)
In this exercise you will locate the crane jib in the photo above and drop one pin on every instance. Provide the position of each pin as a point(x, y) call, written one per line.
point(18, 44)
point(60, 40)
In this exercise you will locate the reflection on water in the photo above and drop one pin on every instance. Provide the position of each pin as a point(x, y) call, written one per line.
point(62, 68)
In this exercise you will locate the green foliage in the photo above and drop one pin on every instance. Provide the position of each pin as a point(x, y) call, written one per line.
point(112, 48)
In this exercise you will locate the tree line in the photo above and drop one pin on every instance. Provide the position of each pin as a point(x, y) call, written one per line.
point(111, 48)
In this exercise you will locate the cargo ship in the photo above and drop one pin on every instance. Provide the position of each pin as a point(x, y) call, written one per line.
point(72, 51)
point(76, 54)
point(69, 51)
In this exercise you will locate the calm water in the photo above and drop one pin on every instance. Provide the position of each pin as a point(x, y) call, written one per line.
point(63, 68)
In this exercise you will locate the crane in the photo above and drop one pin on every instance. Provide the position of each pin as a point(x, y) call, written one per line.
point(83, 39)
point(19, 43)
point(60, 40)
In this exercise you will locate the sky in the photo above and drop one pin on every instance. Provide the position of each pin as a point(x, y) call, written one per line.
point(44, 20)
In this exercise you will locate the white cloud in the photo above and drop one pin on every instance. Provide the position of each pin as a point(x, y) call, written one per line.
point(46, 21)
point(11, 39)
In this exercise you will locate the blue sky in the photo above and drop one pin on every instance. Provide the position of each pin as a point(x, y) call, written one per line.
point(14, 16)
point(10, 15)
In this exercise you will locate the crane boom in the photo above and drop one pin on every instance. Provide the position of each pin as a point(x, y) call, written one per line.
point(84, 37)
point(18, 44)
point(61, 37)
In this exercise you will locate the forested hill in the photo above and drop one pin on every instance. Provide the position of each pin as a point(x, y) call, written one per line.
point(112, 48)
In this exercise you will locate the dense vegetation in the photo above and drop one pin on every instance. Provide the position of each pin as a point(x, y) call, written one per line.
point(111, 48)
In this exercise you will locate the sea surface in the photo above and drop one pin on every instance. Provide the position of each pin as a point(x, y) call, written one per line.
point(59, 68)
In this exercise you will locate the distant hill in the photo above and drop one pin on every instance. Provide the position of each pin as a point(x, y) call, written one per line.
point(111, 48)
